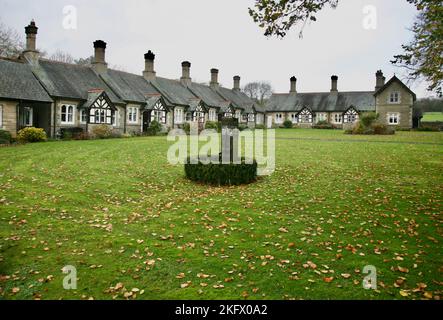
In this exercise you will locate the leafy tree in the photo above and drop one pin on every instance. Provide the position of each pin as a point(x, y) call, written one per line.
point(258, 91)
point(422, 57)
point(277, 17)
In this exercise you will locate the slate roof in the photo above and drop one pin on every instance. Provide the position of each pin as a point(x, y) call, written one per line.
point(387, 84)
point(208, 95)
point(238, 99)
point(18, 82)
point(129, 87)
point(70, 81)
point(322, 101)
point(173, 91)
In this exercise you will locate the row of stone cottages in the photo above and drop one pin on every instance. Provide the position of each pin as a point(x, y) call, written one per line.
point(53, 95)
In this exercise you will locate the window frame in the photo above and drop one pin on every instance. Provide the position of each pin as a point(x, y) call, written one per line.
point(133, 115)
point(392, 116)
point(394, 97)
point(31, 116)
point(67, 114)
point(212, 115)
point(279, 118)
point(178, 115)
point(83, 113)
point(338, 116)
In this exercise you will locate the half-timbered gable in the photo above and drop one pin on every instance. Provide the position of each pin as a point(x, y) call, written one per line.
point(305, 116)
point(99, 108)
point(351, 115)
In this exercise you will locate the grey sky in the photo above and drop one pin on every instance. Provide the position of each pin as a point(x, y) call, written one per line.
point(220, 34)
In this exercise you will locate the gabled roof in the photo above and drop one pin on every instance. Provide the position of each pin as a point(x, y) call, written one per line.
point(129, 87)
point(322, 101)
point(174, 91)
point(152, 99)
point(208, 95)
point(70, 81)
point(395, 79)
point(18, 82)
point(238, 98)
point(96, 94)
point(194, 103)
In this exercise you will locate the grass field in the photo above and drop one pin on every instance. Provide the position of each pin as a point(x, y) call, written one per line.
point(432, 117)
point(126, 219)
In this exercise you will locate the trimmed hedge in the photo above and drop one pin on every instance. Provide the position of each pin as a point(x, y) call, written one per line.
point(287, 124)
point(31, 134)
point(221, 174)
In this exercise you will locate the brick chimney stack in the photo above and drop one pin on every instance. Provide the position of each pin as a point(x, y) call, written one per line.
point(214, 78)
point(380, 80)
point(31, 53)
point(236, 83)
point(149, 73)
point(186, 73)
point(334, 84)
point(293, 85)
point(99, 64)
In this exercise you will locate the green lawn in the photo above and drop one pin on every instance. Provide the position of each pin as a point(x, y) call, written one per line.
point(119, 213)
point(432, 117)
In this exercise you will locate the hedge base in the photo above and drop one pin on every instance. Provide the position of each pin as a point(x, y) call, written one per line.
point(222, 174)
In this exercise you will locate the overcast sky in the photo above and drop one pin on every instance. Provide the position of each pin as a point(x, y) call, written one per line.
point(220, 34)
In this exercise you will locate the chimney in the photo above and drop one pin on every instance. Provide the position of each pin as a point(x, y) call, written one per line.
point(293, 85)
point(214, 78)
point(149, 73)
point(334, 84)
point(186, 73)
point(30, 53)
point(380, 80)
point(236, 83)
point(99, 64)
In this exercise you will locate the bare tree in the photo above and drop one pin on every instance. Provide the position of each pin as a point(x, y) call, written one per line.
point(61, 56)
point(258, 91)
point(11, 44)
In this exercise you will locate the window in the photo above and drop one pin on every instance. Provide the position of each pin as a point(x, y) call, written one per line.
point(1, 116)
point(393, 118)
point(338, 118)
point(67, 114)
point(305, 116)
point(27, 116)
point(199, 114)
point(394, 97)
point(101, 112)
point(350, 116)
point(159, 113)
point(238, 114)
point(115, 119)
point(133, 115)
point(178, 115)
point(212, 115)
point(83, 116)
point(322, 117)
point(244, 117)
point(294, 118)
point(251, 117)
point(279, 118)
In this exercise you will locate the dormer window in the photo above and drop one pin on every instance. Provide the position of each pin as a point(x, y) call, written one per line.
point(394, 97)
